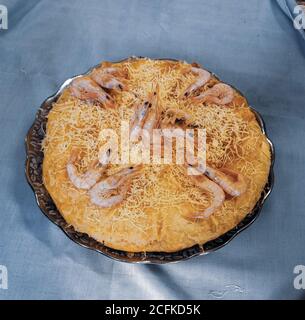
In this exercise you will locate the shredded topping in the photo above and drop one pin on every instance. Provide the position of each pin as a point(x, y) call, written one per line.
point(77, 124)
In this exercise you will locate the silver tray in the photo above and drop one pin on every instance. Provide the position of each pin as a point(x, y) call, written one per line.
point(33, 170)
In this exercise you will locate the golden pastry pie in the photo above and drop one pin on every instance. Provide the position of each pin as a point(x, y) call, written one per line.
point(152, 206)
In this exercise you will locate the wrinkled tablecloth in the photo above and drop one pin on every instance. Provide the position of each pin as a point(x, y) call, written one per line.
point(250, 44)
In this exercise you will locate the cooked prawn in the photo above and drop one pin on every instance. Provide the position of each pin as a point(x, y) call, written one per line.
point(87, 179)
point(220, 94)
point(232, 182)
point(85, 88)
point(218, 195)
point(113, 190)
point(146, 117)
point(203, 77)
point(109, 78)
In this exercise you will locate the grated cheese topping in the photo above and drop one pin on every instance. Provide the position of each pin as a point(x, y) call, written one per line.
point(232, 136)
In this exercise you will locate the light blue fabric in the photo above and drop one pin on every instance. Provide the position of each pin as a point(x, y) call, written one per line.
point(251, 44)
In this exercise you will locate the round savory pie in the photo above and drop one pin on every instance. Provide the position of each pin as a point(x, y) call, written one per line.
point(153, 206)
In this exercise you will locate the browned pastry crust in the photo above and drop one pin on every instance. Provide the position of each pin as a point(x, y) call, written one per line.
point(155, 214)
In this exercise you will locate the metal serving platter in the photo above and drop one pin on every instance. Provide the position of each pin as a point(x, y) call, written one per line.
point(33, 170)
